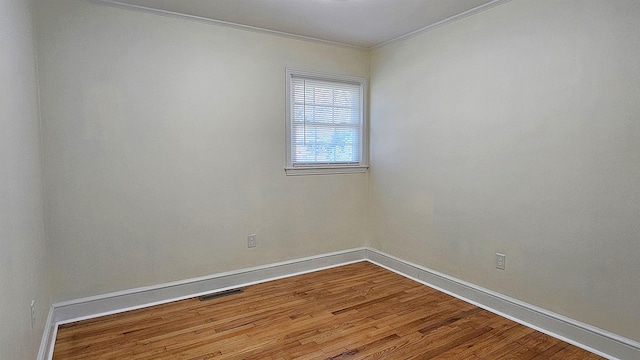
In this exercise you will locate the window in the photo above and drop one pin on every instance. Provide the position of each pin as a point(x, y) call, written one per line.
point(326, 124)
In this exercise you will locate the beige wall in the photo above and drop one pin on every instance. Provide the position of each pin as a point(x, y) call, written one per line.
point(513, 130)
point(164, 145)
point(517, 130)
point(23, 275)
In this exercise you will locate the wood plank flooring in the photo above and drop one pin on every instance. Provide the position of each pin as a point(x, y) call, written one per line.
point(356, 311)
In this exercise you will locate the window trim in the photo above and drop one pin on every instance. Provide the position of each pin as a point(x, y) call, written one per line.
point(328, 168)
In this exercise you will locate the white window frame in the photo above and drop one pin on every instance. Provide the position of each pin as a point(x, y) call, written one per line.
point(327, 168)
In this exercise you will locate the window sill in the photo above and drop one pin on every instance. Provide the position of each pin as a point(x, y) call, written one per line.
point(325, 170)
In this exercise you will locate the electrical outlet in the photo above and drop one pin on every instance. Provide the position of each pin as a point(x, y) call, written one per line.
point(33, 313)
point(251, 240)
point(500, 261)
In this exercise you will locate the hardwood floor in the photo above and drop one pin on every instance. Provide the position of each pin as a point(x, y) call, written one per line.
point(357, 311)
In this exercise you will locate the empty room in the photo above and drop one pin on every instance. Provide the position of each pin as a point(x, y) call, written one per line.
point(319, 179)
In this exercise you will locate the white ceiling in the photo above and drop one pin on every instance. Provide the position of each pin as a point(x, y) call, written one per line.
point(360, 23)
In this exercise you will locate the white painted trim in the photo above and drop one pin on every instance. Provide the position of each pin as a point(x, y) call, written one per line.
point(327, 169)
point(442, 22)
point(583, 335)
point(52, 343)
point(588, 337)
point(121, 301)
point(100, 305)
point(48, 335)
point(173, 14)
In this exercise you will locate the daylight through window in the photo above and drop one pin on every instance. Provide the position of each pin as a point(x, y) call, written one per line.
point(326, 124)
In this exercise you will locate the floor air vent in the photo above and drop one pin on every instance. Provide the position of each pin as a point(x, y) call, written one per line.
point(220, 294)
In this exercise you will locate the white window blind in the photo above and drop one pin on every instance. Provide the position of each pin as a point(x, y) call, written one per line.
point(326, 122)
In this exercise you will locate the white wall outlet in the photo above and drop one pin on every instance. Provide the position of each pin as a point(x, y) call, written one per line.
point(500, 261)
point(33, 313)
point(251, 240)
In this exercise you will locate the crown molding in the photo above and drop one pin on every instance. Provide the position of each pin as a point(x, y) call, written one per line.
point(443, 22)
point(172, 14)
point(176, 15)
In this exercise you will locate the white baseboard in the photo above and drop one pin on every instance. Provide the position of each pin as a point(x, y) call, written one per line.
point(588, 337)
point(583, 335)
point(95, 306)
point(48, 337)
